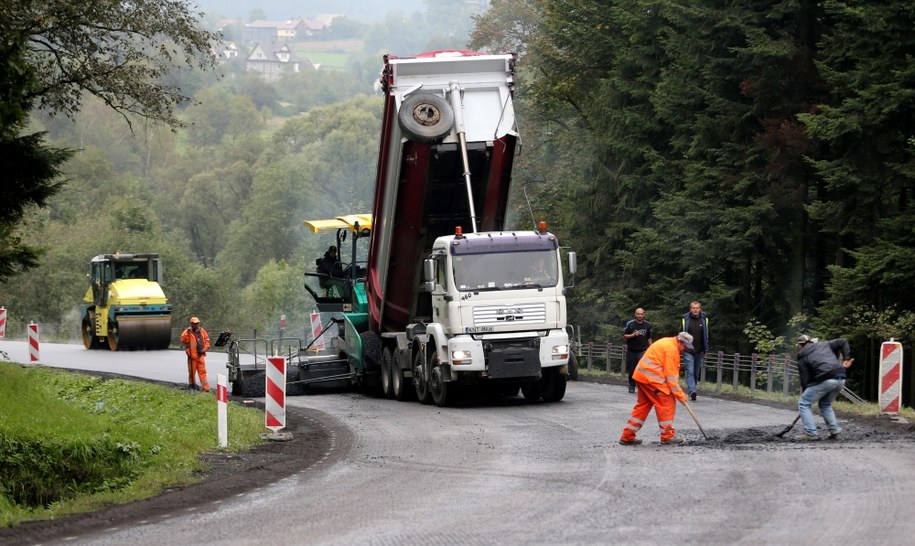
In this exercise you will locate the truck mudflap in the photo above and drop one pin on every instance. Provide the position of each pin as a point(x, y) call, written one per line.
point(513, 362)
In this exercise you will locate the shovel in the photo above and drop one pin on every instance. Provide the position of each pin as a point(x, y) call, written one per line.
point(693, 415)
point(791, 426)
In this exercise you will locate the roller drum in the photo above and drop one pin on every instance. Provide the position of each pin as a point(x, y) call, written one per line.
point(150, 333)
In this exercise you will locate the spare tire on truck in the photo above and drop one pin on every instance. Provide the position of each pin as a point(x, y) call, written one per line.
point(425, 117)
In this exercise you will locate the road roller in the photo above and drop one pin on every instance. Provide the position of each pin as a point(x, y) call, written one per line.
point(125, 308)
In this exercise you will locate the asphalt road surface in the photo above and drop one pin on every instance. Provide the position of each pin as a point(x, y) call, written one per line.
point(503, 471)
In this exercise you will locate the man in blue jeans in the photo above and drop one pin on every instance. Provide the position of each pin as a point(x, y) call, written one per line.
point(695, 322)
point(823, 372)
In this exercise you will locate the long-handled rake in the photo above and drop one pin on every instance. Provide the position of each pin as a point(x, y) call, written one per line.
point(789, 427)
point(696, 419)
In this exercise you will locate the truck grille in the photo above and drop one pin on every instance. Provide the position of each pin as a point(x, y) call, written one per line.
point(501, 315)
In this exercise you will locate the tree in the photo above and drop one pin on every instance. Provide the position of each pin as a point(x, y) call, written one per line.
point(118, 52)
point(863, 202)
point(53, 53)
point(29, 167)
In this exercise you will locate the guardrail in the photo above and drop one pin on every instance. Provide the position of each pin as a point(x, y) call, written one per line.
point(771, 373)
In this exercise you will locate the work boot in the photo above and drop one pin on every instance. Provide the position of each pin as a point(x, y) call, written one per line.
point(834, 435)
point(633, 442)
point(631, 390)
point(804, 437)
point(192, 387)
point(692, 396)
point(673, 441)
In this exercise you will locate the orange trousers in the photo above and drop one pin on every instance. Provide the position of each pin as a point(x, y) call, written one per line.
point(665, 407)
point(197, 366)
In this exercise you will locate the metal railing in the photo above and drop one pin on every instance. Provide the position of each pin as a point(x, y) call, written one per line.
point(769, 373)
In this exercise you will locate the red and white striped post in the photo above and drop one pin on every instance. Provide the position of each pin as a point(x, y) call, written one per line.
point(222, 410)
point(2, 322)
point(890, 395)
point(275, 397)
point(33, 342)
point(316, 331)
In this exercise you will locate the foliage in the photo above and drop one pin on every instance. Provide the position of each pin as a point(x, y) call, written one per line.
point(117, 52)
point(30, 179)
point(54, 54)
point(73, 442)
point(761, 339)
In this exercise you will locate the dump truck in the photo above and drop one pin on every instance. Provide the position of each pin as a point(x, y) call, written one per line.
point(447, 297)
point(124, 307)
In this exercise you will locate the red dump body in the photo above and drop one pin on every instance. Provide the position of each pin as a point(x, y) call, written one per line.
point(421, 182)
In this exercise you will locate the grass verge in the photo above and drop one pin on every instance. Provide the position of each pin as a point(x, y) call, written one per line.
point(71, 442)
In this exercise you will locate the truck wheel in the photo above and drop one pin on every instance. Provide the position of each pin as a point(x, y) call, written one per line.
point(371, 363)
point(401, 387)
point(552, 385)
point(425, 117)
point(531, 391)
point(387, 364)
point(442, 392)
point(420, 381)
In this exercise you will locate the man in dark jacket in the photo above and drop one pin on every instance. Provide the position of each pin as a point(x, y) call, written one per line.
point(823, 372)
point(695, 323)
point(637, 334)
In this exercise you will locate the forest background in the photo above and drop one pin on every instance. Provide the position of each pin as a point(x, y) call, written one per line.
point(755, 156)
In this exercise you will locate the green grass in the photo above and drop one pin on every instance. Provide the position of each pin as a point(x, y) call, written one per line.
point(327, 60)
point(71, 442)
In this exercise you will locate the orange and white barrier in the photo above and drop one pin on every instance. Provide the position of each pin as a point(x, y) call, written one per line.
point(275, 397)
point(890, 395)
point(33, 342)
point(316, 331)
point(2, 322)
point(222, 410)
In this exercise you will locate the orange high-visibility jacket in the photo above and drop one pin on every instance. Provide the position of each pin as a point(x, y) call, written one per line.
point(189, 340)
point(660, 367)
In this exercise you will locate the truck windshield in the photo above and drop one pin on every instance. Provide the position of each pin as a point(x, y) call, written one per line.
point(506, 271)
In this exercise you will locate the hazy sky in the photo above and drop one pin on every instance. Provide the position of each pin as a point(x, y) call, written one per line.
point(360, 10)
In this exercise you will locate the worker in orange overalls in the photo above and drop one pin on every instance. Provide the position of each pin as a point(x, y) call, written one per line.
point(658, 379)
point(196, 343)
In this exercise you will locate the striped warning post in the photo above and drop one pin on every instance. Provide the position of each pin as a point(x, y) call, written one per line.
point(33, 342)
point(2, 322)
point(222, 410)
point(275, 399)
point(890, 395)
point(316, 331)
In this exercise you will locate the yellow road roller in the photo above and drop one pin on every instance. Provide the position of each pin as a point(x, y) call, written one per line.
point(125, 308)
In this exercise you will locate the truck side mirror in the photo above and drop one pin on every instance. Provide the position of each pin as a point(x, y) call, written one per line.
point(429, 271)
point(573, 263)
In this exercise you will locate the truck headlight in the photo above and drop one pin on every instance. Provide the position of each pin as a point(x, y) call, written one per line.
point(460, 357)
point(560, 352)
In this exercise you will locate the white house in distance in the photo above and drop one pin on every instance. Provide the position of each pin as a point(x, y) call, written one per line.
point(272, 61)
